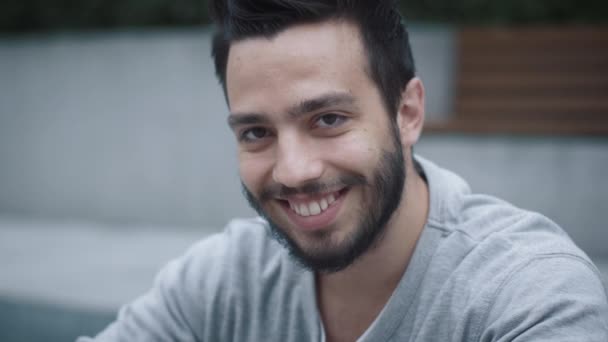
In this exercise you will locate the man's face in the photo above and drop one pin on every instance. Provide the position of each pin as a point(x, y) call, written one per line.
point(318, 156)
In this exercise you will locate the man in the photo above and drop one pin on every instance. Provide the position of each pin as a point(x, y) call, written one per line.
point(359, 239)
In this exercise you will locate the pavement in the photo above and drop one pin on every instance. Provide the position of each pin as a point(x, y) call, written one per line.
point(84, 264)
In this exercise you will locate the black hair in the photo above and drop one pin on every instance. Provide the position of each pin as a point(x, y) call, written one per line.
point(384, 36)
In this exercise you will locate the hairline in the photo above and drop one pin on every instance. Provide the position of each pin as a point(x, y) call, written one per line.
point(346, 18)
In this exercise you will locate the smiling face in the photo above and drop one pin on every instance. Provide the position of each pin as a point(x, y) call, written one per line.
point(318, 155)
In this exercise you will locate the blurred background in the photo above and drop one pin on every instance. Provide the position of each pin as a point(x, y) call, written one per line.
point(115, 155)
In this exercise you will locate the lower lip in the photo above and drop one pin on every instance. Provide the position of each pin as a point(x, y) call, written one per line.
point(316, 222)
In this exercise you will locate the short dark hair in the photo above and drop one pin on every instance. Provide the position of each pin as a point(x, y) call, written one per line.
point(384, 36)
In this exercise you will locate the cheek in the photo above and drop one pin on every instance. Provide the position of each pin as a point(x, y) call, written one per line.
point(354, 152)
point(254, 170)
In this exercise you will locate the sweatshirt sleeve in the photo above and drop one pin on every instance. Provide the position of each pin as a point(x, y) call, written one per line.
point(174, 309)
point(555, 297)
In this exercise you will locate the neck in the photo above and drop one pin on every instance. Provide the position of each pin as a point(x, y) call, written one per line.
point(377, 273)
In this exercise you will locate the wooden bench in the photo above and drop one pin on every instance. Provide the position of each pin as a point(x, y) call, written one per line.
point(530, 80)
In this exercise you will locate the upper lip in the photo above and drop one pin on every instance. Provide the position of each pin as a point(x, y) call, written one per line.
point(305, 198)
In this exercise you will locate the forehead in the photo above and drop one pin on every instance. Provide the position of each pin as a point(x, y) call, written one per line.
point(301, 61)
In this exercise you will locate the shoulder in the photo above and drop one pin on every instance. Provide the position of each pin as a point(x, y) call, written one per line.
point(512, 238)
point(217, 284)
point(241, 240)
point(490, 222)
point(215, 287)
point(241, 264)
point(550, 297)
point(515, 272)
point(472, 222)
point(220, 264)
point(241, 277)
point(499, 242)
point(239, 254)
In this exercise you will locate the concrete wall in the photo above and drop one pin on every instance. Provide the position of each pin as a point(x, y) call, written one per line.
point(130, 127)
point(124, 126)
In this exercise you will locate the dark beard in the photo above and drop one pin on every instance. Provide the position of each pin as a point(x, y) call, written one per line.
point(386, 187)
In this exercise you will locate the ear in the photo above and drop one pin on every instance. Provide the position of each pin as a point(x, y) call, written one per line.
point(410, 115)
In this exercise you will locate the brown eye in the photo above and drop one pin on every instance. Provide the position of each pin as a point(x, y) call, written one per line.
point(253, 134)
point(330, 120)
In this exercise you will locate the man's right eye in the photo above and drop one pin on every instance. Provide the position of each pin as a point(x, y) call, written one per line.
point(253, 134)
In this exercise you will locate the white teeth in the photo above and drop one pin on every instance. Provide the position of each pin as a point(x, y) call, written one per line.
point(314, 208)
point(304, 210)
point(324, 204)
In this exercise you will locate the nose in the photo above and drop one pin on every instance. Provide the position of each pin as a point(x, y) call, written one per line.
point(297, 162)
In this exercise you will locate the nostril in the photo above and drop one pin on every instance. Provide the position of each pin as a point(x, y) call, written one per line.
point(295, 175)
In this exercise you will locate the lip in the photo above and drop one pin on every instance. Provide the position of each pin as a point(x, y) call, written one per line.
point(317, 222)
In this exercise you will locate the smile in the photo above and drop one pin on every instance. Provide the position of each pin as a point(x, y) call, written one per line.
point(311, 212)
point(312, 207)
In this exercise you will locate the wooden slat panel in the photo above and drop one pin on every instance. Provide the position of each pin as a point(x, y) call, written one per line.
point(551, 62)
point(534, 115)
point(537, 103)
point(534, 78)
point(563, 127)
point(470, 57)
point(533, 37)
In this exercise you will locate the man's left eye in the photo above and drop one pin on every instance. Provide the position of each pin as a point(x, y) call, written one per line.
point(330, 120)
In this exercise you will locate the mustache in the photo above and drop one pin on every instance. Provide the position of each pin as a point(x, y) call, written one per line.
point(314, 187)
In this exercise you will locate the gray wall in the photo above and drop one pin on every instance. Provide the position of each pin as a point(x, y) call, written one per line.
point(124, 126)
point(130, 127)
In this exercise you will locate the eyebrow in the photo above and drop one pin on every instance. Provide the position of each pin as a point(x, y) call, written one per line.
point(302, 108)
point(240, 119)
point(321, 102)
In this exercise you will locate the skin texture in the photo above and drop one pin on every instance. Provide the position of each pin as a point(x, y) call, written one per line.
point(326, 255)
point(285, 145)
